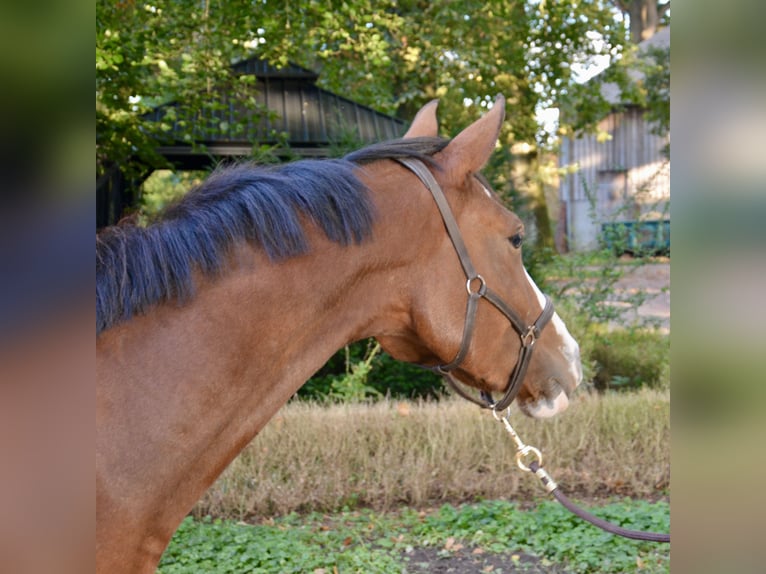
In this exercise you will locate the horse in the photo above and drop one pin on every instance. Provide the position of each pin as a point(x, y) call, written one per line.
point(210, 318)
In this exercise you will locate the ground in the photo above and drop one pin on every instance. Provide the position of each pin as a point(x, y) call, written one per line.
point(654, 280)
point(467, 561)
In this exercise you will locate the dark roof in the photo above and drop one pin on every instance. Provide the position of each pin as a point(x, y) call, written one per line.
point(314, 119)
point(262, 69)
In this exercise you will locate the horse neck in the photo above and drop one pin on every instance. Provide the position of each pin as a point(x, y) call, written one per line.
point(250, 339)
point(183, 390)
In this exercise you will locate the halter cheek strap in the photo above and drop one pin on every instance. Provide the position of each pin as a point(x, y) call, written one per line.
point(477, 289)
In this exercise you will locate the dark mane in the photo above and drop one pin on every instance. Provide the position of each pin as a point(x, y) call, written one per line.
point(139, 267)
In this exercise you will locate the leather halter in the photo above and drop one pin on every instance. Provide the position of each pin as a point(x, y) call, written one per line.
point(477, 289)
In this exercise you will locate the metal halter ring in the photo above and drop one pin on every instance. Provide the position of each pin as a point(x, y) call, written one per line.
point(529, 337)
point(482, 286)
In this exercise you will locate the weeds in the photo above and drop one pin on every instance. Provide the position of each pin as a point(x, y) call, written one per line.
point(491, 532)
point(352, 386)
point(617, 354)
point(326, 457)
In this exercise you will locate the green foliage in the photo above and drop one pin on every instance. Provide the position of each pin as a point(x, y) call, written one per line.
point(381, 543)
point(222, 547)
point(352, 385)
point(552, 532)
point(589, 279)
point(394, 56)
point(656, 68)
point(361, 371)
point(149, 54)
point(402, 380)
point(631, 358)
point(164, 187)
point(617, 353)
point(642, 77)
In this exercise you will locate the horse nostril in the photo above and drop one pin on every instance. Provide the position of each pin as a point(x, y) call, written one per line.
point(548, 405)
point(555, 387)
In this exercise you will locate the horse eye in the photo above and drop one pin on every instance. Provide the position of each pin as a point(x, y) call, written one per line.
point(516, 240)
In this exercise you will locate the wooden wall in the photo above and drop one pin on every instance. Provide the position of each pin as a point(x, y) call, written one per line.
point(621, 178)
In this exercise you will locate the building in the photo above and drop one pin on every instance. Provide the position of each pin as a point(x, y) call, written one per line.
point(620, 182)
point(309, 119)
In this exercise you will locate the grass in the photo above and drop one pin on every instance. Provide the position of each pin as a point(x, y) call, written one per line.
point(388, 454)
point(489, 532)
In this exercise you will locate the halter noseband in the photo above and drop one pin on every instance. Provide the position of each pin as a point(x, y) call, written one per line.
point(477, 289)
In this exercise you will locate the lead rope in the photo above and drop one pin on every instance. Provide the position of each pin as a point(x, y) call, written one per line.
point(535, 466)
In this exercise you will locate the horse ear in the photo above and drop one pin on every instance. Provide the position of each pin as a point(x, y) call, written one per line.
point(469, 151)
point(425, 123)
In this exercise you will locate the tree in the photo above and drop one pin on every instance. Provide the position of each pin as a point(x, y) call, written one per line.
point(645, 16)
point(152, 53)
point(641, 72)
point(391, 55)
point(656, 70)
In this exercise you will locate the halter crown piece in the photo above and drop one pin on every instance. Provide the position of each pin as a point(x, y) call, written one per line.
point(477, 289)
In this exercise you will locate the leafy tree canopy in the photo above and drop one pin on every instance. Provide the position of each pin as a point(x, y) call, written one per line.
point(392, 55)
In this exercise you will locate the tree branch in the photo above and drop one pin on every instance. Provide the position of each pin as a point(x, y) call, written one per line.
point(622, 5)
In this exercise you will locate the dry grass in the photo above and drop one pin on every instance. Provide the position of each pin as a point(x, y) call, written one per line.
point(313, 457)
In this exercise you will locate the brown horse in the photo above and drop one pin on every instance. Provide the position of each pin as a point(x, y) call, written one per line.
point(210, 319)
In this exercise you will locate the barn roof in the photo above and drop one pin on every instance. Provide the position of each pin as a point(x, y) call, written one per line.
point(312, 118)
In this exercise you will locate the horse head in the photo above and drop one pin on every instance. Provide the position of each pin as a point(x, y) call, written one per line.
point(475, 314)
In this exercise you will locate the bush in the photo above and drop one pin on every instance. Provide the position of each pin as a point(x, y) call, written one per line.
point(618, 358)
point(402, 380)
point(363, 371)
point(631, 358)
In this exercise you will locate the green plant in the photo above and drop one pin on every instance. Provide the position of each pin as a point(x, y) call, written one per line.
point(369, 542)
point(344, 378)
point(404, 381)
point(589, 280)
point(163, 187)
point(357, 373)
point(352, 386)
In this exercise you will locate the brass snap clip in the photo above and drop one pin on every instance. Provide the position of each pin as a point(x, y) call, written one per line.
point(525, 450)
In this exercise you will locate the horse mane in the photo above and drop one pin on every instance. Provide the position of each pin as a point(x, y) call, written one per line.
point(139, 267)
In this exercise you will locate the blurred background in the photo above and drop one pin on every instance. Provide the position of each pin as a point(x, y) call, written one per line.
point(552, 60)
